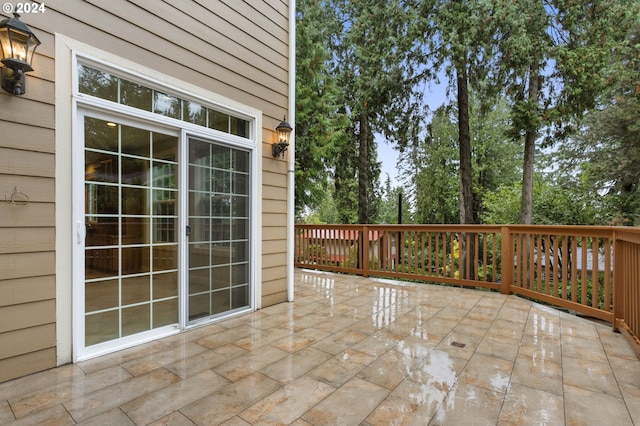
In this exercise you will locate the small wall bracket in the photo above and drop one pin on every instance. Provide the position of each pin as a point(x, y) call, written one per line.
point(16, 198)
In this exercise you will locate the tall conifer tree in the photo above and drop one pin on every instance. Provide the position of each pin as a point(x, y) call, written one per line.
point(375, 61)
point(320, 126)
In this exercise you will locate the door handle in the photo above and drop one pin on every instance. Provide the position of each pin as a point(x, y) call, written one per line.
point(188, 230)
point(81, 231)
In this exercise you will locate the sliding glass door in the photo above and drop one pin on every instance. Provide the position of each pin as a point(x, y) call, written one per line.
point(146, 269)
point(131, 244)
point(218, 229)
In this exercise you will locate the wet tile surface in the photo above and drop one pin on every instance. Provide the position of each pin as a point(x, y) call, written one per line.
point(353, 351)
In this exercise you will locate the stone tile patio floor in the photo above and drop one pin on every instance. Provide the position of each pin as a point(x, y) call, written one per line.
point(354, 351)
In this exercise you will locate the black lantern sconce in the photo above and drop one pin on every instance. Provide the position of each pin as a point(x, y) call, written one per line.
point(18, 45)
point(284, 133)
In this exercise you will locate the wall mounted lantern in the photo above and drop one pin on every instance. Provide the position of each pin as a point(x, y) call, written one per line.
point(284, 133)
point(18, 44)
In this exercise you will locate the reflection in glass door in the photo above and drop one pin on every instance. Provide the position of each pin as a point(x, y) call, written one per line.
point(131, 245)
point(218, 220)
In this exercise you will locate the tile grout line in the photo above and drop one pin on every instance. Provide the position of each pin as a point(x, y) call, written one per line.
point(615, 377)
point(564, 399)
point(504, 398)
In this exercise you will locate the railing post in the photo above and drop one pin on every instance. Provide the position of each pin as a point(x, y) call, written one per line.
point(618, 281)
point(506, 266)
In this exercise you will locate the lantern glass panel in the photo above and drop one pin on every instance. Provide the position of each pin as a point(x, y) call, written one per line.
point(283, 135)
point(5, 43)
point(19, 47)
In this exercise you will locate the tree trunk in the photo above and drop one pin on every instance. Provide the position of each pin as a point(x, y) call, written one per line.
point(466, 173)
point(363, 171)
point(531, 134)
point(464, 139)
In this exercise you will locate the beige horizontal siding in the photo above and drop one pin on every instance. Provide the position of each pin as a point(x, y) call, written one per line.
point(273, 260)
point(22, 265)
point(38, 88)
point(274, 219)
point(273, 233)
point(270, 277)
point(276, 179)
point(271, 19)
point(27, 163)
point(15, 109)
point(20, 291)
point(238, 49)
point(195, 20)
point(26, 240)
point(277, 295)
point(274, 206)
point(27, 315)
point(275, 246)
point(181, 45)
point(27, 340)
point(18, 366)
point(27, 232)
point(27, 137)
point(33, 214)
point(270, 192)
point(44, 69)
point(38, 189)
point(277, 167)
point(274, 298)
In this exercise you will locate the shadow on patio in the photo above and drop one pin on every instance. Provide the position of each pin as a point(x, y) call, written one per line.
point(354, 350)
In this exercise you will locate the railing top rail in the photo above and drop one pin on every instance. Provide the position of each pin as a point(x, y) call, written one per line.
point(577, 230)
point(631, 235)
point(435, 227)
point(328, 226)
point(393, 227)
point(569, 229)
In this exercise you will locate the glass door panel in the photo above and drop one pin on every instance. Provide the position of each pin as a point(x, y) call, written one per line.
point(218, 252)
point(131, 215)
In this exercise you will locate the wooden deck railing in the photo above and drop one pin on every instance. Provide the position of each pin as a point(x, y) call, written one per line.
point(626, 304)
point(594, 271)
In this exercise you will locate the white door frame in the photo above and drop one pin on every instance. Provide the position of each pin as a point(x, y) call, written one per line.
point(69, 230)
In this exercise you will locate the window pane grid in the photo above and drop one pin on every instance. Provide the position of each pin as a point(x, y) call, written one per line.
point(218, 210)
point(131, 243)
point(104, 85)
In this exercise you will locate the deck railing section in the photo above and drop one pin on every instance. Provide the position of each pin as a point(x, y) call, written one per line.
point(592, 270)
point(329, 247)
point(571, 267)
point(446, 254)
point(627, 286)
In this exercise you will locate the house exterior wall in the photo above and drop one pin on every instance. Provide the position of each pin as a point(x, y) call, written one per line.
point(237, 49)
